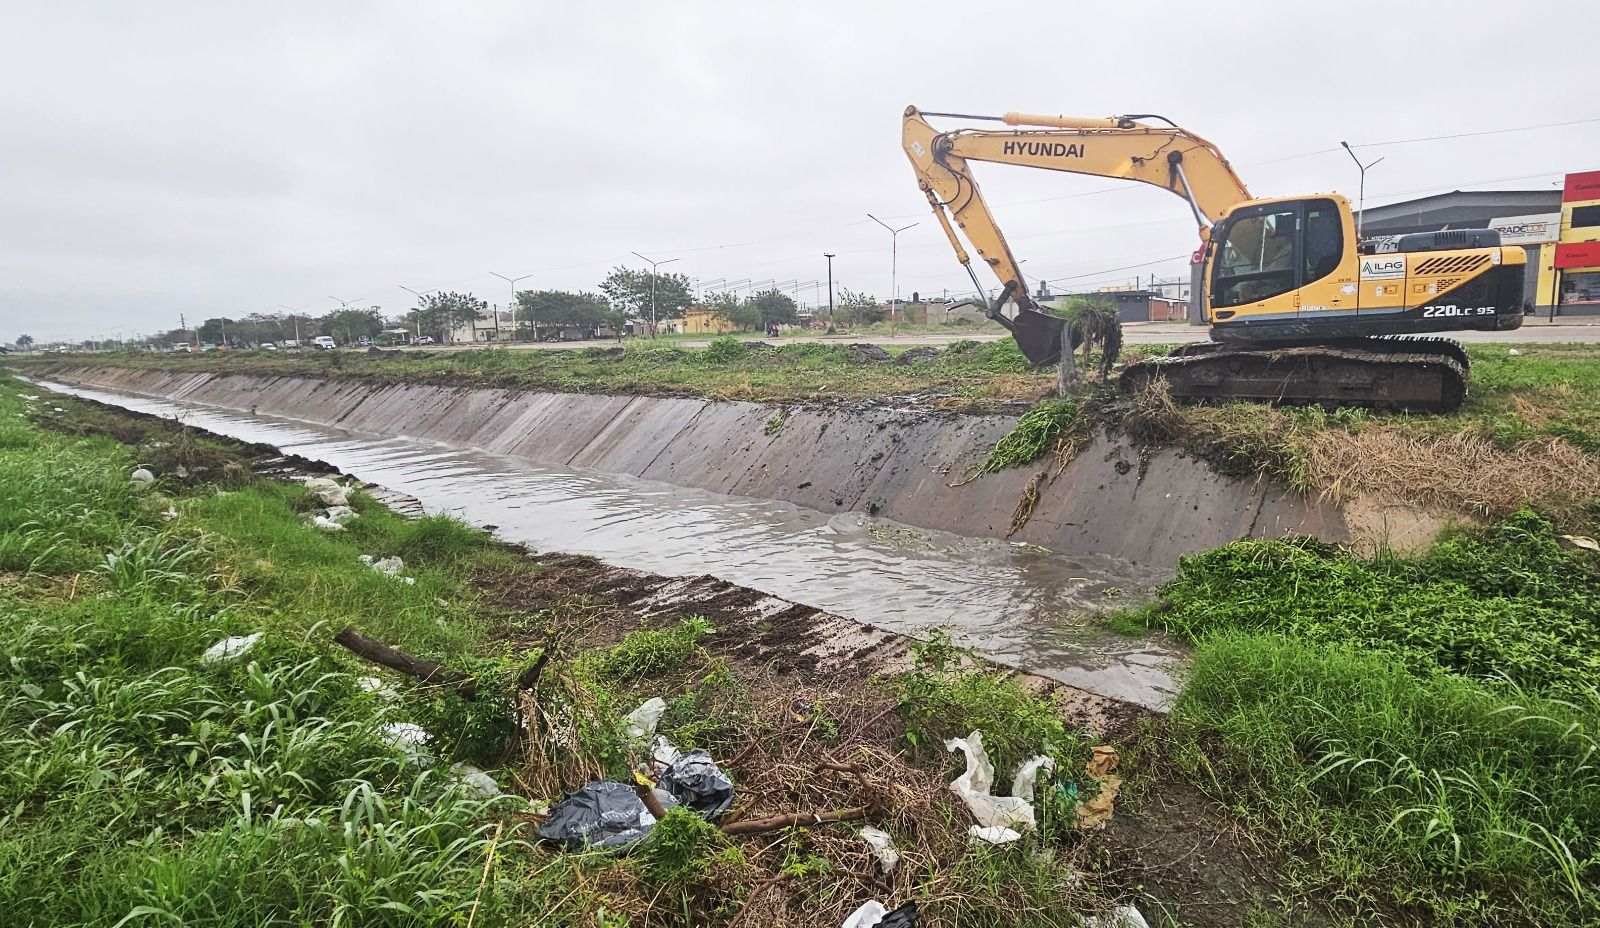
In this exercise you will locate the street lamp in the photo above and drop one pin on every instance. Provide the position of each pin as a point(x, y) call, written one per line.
point(295, 319)
point(894, 241)
point(416, 323)
point(653, 265)
point(1361, 195)
point(829, 256)
point(513, 282)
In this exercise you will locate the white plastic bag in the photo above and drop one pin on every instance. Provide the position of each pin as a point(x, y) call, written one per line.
point(326, 524)
point(229, 649)
point(340, 514)
point(870, 913)
point(1123, 916)
point(479, 784)
point(1028, 774)
point(975, 785)
point(411, 739)
point(882, 847)
point(640, 724)
point(994, 834)
point(142, 477)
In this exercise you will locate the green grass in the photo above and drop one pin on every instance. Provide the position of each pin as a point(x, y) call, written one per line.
point(1423, 729)
point(143, 786)
point(972, 374)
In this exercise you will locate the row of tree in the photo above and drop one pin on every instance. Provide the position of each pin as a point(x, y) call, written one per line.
point(625, 294)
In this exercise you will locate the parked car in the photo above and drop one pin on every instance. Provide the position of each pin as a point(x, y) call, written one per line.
point(268, 346)
point(209, 346)
point(291, 343)
point(183, 349)
point(324, 343)
point(425, 340)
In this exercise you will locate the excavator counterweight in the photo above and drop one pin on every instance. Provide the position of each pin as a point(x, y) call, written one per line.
point(1299, 311)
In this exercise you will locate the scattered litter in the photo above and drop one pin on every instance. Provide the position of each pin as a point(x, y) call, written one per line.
point(410, 738)
point(170, 513)
point(28, 397)
point(229, 649)
point(873, 915)
point(478, 783)
point(1123, 916)
point(320, 483)
point(328, 490)
point(377, 687)
point(699, 784)
point(340, 514)
point(1012, 813)
point(1094, 814)
point(326, 524)
point(142, 476)
point(663, 755)
point(1580, 541)
point(640, 724)
point(602, 814)
point(882, 847)
point(1028, 774)
point(994, 834)
point(1513, 352)
point(181, 472)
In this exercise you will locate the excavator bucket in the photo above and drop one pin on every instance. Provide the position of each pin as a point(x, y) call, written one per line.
point(1037, 334)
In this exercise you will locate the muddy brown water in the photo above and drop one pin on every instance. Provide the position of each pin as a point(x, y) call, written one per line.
point(1020, 605)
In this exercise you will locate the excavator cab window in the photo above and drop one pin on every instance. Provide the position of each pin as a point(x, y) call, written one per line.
point(1274, 248)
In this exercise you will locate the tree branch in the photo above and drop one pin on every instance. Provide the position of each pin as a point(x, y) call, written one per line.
point(423, 670)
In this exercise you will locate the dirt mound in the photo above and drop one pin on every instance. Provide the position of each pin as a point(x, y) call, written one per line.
point(916, 355)
point(865, 354)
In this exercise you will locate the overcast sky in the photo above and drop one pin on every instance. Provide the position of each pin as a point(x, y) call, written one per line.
point(215, 158)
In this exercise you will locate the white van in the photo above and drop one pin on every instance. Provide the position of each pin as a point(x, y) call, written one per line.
point(323, 341)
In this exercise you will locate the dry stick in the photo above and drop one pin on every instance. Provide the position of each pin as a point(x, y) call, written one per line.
point(529, 678)
point(424, 670)
point(772, 823)
point(488, 864)
point(647, 795)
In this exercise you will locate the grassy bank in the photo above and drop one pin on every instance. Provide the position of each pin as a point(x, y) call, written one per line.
point(143, 784)
point(1420, 733)
point(1530, 429)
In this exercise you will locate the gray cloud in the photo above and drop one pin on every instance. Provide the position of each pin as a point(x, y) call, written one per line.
point(210, 158)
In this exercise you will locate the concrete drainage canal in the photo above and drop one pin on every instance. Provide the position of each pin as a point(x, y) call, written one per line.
point(1018, 604)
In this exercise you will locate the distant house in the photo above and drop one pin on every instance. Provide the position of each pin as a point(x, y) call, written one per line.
point(700, 320)
point(496, 325)
point(1137, 305)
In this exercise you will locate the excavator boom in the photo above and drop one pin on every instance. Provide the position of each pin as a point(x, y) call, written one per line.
point(1293, 301)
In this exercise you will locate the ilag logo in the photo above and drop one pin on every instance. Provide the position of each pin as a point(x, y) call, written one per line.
point(1383, 267)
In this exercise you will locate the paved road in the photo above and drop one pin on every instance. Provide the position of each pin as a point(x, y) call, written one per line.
point(1134, 333)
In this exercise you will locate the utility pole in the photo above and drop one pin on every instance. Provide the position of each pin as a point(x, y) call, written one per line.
point(416, 323)
point(513, 282)
point(894, 240)
point(343, 305)
point(1361, 195)
point(293, 317)
point(829, 256)
point(653, 265)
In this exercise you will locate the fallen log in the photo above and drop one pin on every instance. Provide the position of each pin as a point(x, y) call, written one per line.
point(424, 670)
point(774, 822)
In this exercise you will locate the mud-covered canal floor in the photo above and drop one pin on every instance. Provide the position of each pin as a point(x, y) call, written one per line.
point(807, 712)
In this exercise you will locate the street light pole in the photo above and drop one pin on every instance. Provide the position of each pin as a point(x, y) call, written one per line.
point(513, 282)
point(894, 249)
point(653, 266)
point(829, 256)
point(343, 305)
point(416, 323)
point(1361, 195)
point(295, 319)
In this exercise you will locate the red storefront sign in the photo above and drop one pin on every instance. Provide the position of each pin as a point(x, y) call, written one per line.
point(1577, 254)
point(1584, 186)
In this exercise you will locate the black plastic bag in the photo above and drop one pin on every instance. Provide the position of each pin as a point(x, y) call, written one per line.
point(698, 783)
point(602, 814)
point(903, 917)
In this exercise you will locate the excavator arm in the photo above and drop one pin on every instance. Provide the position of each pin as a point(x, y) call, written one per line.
point(1122, 146)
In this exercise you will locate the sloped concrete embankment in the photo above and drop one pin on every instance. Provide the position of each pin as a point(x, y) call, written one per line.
point(899, 464)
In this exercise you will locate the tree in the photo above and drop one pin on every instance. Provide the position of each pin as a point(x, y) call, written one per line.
point(775, 308)
point(630, 290)
point(856, 308)
point(562, 308)
point(349, 325)
point(728, 306)
point(25, 342)
point(214, 330)
point(438, 313)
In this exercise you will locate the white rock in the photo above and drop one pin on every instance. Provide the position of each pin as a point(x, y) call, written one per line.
point(142, 477)
point(230, 649)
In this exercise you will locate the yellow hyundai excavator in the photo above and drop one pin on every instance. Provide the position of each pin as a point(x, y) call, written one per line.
point(1299, 310)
